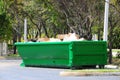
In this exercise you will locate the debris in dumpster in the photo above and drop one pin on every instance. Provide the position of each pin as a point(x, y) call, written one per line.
point(60, 37)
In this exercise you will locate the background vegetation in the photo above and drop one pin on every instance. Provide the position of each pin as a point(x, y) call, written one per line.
point(51, 17)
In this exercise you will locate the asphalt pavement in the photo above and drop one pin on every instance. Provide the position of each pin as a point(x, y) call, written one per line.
point(11, 70)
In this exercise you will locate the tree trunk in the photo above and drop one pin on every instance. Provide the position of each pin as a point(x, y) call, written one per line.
point(45, 29)
point(110, 41)
point(14, 40)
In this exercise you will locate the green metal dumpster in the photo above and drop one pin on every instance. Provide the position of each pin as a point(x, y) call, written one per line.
point(70, 54)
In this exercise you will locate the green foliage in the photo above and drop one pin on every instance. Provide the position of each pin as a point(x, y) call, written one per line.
point(5, 28)
point(95, 29)
point(54, 17)
point(116, 37)
point(114, 26)
point(113, 2)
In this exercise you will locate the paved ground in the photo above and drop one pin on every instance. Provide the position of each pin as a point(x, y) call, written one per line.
point(10, 70)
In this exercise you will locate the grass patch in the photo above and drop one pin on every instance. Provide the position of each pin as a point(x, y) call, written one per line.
point(115, 50)
point(13, 55)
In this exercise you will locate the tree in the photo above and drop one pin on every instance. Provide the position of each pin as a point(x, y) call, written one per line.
point(5, 27)
point(114, 20)
point(80, 16)
point(13, 8)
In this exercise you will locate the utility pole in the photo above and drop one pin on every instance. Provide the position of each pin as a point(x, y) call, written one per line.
point(25, 30)
point(105, 33)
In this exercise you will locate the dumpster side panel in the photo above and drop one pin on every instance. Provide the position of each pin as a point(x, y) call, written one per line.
point(89, 53)
point(63, 54)
point(44, 54)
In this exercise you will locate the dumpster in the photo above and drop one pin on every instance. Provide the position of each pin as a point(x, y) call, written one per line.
point(71, 54)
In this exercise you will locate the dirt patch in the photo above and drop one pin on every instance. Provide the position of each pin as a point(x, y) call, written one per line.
point(116, 61)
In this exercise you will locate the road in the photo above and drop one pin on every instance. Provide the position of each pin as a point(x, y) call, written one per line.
point(10, 70)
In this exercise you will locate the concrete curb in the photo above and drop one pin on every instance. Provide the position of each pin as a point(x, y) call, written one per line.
point(72, 73)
